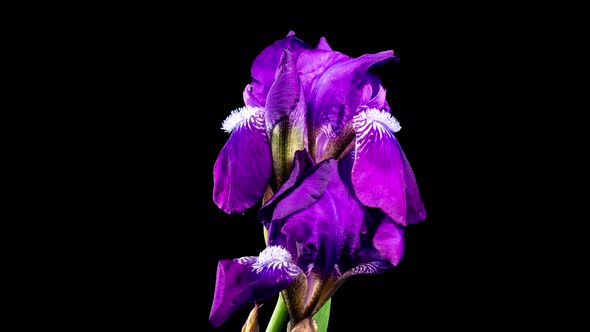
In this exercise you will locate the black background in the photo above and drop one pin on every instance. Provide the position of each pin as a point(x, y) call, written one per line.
point(110, 124)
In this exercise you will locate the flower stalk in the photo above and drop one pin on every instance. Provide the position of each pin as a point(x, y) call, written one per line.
point(279, 316)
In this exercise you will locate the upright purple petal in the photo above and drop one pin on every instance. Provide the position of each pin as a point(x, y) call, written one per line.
point(284, 94)
point(243, 168)
point(286, 115)
point(334, 99)
point(381, 175)
point(266, 63)
point(312, 64)
point(250, 279)
point(323, 44)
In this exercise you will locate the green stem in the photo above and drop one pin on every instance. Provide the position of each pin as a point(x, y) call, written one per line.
point(323, 316)
point(279, 315)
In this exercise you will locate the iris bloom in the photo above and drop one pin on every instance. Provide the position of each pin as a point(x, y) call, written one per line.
point(315, 142)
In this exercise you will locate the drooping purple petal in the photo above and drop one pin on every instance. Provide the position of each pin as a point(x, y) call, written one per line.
point(231, 277)
point(334, 98)
point(389, 240)
point(370, 261)
point(323, 230)
point(309, 180)
point(250, 279)
point(305, 194)
point(381, 246)
point(416, 211)
point(381, 175)
point(266, 63)
point(313, 188)
point(243, 168)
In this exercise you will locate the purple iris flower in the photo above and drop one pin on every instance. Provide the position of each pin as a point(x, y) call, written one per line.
point(315, 142)
point(319, 235)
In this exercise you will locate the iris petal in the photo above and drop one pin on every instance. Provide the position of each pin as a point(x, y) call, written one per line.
point(335, 97)
point(326, 227)
point(286, 115)
point(243, 168)
point(323, 44)
point(389, 240)
point(373, 94)
point(249, 99)
point(250, 279)
point(266, 63)
point(381, 174)
point(312, 64)
point(283, 96)
point(415, 206)
point(313, 188)
point(231, 279)
point(378, 265)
